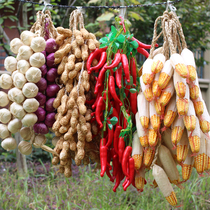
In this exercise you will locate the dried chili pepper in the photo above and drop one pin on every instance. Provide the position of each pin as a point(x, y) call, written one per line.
point(103, 159)
point(117, 183)
point(110, 137)
point(133, 69)
point(99, 109)
point(143, 52)
point(100, 63)
point(121, 147)
point(125, 67)
point(125, 158)
point(142, 45)
point(100, 80)
point(116, 137)
point(118, 77)
point(133, 102)
point(116, 61)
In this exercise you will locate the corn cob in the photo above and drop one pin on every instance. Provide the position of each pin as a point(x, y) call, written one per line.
point(182, 104)
point(205, 120)
point(164, 184)
point(154, 117)
point(147, 90)
point(170, 112)
point(200, 160)
point(178, 64)
point(166, 141)
point(189, 60)
point(194, 92)
point(149, 154)
point(177, 130)
point(180, 85)
point(165, 75)
point(142, 133)
point(182, 147)
point(158, 63)
point(190, 118)
point(208, 154)
point(140, 179)
point(199, 108)
point(169, 164)
point(143, 109)
point(158, 108)
point(147, 75)
point(187, 166)
point(152, 137)
point(156, 91)
point(137, 151)
point(166, 94)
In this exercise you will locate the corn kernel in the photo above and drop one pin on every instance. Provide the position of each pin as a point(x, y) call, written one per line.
point(205, 126)
point(156, 89)
point(181, 152)
point(156, 66)
point(165, 98)
point(147, 78)
point(186, 171)
point(148, 94)
point(155, 122)
point(208, 164)
point(194, 92)
point(200, 163)
point(172, 199)
point(182, 70)
point(176, 134)
point(144, 122)
point(192, 72)
point(169, 118)
point(190, 122)
point(153, 138)
point(163, 80)
point(194, 143)
point(137, 161)
point(148, 156)
point(180, 88)
point(139, 183)
point(158, 108)
point(144, 141)
point(198, 105)
point(182, 106)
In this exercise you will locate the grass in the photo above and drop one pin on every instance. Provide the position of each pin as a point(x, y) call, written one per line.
point(45, 189)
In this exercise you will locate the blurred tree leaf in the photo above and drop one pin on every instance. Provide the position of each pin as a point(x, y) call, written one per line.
point(105, 17)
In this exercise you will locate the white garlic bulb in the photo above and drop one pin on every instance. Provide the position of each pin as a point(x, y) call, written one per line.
point(25, 147)
point(30, 90)
point(38, 44)
point(37, 60)
point(26, 37)
point(19, 80)
point(30, 105)
point(26, 133)
point(4, 100)
point(9, 143)
point(10, 63)
point(5, 81)
point(24, 53)
point(15, 44)
point(4, 132)
point(14, 125)
point(16, 95)
point(17, 110)
point(29, 120)
point(14, 73)
point(39, 140)
point(33, 74)
point(23, 66)
point(5, 115)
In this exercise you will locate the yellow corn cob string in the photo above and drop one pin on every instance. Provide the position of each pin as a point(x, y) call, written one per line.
point(137, 161)
point(181, 152)
point(155, 121)
point(186, 171)
point(182, 105)
point(172, 199)
point(139, 183)
point(148, 156)
point(182, 70)
point(200, 163)
point(164, 98)
point(194, 92)
point(169, 118)
point(190, 122)
point(153, 140)
point(144, 141)
point(198, 108)
point(144, 121)
point(156, 89)
point(176, 134)
point(205, 126)
point(156, 66)
point(180, 88)
point(194, 143)
point(148, 94)
point(147, 78)
point(192, 72)
point(163, 80)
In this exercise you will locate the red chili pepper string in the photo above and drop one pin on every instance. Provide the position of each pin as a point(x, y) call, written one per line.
point(143, 52)
point(90, 102)
point(100, 63)
point(125, 67)
point(142, 45)
point(98, 96)
point(118, 77)
point(116, 61)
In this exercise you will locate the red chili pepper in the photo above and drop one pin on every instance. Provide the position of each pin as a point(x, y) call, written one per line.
point(126, 181)
point(101, 88)
point(133, 102)
point(126, 155)
point(117, 106)
point(117, 183)
point(100, 80)
point(142, 45)
point(124, 123)
point(103, 142)
point(133, 69)
point(125, 67)
point(99, 109)
point(115, 165)
point(131, 173)
point(103, 159)
point(113, 91)
point(111, 178)
point(90, 102)
point(116, 61)
point(118, 77)
point(110, 137)
point(116, 137)
point(143, 52)
point(121, 147)
point(100, 63)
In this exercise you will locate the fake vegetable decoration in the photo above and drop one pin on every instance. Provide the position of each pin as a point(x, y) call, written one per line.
point(172, 120)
